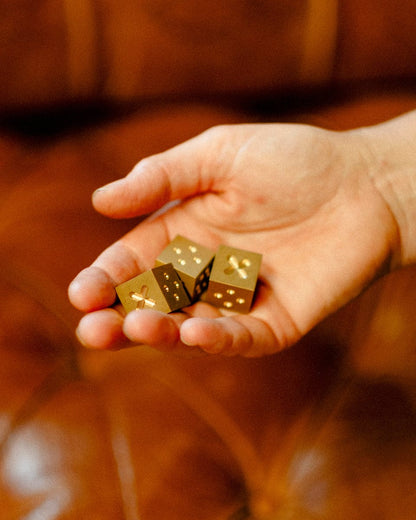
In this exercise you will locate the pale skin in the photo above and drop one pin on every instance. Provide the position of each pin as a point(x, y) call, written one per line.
point(329, 211)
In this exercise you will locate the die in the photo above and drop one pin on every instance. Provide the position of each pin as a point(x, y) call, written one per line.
point(233, 279)
point(159, 288)
point(192, 262)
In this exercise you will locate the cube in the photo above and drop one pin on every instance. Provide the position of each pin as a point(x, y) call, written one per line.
point(160, 289)
point(192, 262)
point(233, 279)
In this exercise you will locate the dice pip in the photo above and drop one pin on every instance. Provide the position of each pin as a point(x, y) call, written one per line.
point(191, 261)
point(160, 289)
point(233, 279)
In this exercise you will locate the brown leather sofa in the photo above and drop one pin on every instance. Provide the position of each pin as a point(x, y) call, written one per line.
point(325, 430)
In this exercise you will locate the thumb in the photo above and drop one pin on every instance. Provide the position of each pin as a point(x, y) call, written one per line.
point(187, 170)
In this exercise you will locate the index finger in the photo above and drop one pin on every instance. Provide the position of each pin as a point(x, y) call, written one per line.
point(94, 287)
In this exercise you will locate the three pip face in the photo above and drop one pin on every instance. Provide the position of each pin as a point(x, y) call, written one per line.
point(185, 270)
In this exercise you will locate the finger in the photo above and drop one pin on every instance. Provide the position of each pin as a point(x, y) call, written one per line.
point(157, 330)
point(102, 330)
point(188, 169)
point(94, 287)
point(230, 335)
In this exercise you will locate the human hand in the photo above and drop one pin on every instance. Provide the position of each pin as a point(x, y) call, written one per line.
point(300, 195)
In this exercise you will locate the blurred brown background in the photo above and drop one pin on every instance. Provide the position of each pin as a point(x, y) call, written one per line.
point(326, 430)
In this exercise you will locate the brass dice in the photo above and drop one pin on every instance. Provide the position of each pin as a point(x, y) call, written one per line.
point(185, 269)
point(159, 289)
point(191, 261)
point(233, 279)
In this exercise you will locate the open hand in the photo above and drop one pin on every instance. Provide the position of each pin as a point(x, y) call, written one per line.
point(299, 195)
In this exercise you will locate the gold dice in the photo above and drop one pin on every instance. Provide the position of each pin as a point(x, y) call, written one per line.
point(233, 279)
point(186, 272)
point(159, 289)
point(191, 261)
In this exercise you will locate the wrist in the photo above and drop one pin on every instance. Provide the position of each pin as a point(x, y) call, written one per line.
point(392, 149)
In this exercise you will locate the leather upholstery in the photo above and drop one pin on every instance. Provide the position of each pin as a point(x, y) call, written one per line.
point(325, 430)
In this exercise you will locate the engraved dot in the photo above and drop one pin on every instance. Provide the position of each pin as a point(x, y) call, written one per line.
point(207, 271)
point(166, 288)
point(166, 276)
point(177, 250)
point(177, 297)
point(198, 289)
point(197, 260)
point(228, 305)
point(192, 249)
point(218, 295)
point(230, 291)
point(181, 261)
point(245, 262)
point(176, 284)
point(240, 301)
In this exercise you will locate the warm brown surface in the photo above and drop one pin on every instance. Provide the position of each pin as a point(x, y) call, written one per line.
point(326, 430)
point(72, 50)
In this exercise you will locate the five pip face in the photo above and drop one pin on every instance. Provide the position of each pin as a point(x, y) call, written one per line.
point(186, 271)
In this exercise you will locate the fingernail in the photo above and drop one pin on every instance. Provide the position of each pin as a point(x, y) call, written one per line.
point(108, 186)
point(79, 338)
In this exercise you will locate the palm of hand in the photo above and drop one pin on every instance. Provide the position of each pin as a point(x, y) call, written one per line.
point(296, 194)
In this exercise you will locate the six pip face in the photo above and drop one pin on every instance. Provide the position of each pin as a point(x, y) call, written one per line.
point(192, 262)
